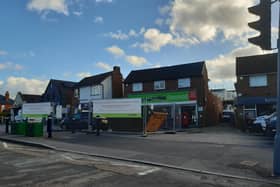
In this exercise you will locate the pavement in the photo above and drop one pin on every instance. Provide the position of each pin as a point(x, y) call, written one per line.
point(217, 150)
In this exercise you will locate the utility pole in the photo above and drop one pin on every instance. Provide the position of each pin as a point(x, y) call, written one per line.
point(276, 159)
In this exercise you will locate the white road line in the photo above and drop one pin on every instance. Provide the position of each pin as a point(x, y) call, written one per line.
point(148, 171)
point(5, 145)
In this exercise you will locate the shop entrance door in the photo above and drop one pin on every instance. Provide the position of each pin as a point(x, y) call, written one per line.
point(188, 114)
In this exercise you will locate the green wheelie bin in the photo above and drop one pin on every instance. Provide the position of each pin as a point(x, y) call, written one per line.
point(20, 128)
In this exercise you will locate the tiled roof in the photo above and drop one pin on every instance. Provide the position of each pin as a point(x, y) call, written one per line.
point(166, 73)
point(256, 64)
point(93, 80)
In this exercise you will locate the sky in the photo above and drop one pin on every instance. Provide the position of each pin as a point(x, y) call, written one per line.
point(71, 39)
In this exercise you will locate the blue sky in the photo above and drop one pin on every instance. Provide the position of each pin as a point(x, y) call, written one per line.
point(71, 39)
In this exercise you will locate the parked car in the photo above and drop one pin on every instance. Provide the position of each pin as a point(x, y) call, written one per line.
point(227, 116)
point(260, 123)
point(271, 126)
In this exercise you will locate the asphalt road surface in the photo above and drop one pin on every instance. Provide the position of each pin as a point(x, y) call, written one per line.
point(29, 166)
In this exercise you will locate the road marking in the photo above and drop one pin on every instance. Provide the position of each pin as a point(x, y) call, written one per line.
point(68, 157)
point(5, 145)
point(148, 171)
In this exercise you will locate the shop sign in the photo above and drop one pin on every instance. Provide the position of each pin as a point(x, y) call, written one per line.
point(163, 97)
point(117, 108)
point(36, 110)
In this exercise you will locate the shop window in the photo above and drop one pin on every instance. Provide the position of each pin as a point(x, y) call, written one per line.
point(137, 87)
point(258, 81)
point(159, 85)
point(96, 90)
point(184, 83)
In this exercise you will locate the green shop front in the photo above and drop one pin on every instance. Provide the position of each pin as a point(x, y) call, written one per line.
point(181, 107)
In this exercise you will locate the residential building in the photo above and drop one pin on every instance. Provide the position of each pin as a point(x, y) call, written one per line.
point(26, 98)
point(256, 85)
point(61, 93)
point(102, 86)
point(179, 90)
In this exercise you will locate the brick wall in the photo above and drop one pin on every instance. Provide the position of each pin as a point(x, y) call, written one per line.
point(243, 87)
point(117, 86)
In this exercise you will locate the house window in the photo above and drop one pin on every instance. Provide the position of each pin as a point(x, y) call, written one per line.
point(258, 81)
point(184, 83)
point(159, 85)
point(96, 90)
point(137, 87)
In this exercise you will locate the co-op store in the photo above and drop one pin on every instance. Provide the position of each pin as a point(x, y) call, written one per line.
point(181, 107)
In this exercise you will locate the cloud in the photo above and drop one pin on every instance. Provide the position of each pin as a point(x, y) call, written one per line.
point(104, 66)
point(77, 13)
point(206, 19)
point(10, 66)
point(98, 19)
point(58, 6)
point(154, 40)
point(1, 83)
point(116, 51)
point(120, 35)
point(136, 60)
point(159, 22)
point(24, 85)
point(222, 68)
point(191, 22)
point(82, 75)
point(103, 1)
point(3, 53)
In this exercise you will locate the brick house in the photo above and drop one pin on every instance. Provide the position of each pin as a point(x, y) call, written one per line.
point(256, 85)
point(102, 86)
point(180, 90)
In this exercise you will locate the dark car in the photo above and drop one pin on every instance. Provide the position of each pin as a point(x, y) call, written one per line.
point(228, 116)
point(76, 122)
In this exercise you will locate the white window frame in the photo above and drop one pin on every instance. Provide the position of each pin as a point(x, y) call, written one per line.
point(184, 83)
point(96, 90)
point(159, 85)
point(256, 80)
point(137, 87)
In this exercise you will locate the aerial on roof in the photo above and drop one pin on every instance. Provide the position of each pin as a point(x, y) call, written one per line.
point(93, 80)
point(256, 64)
point(166, 73)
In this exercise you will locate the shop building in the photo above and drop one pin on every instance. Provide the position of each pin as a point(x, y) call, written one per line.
point(179, 90)
point(256, 85)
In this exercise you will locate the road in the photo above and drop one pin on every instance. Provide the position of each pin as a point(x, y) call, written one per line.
point(29, 166)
